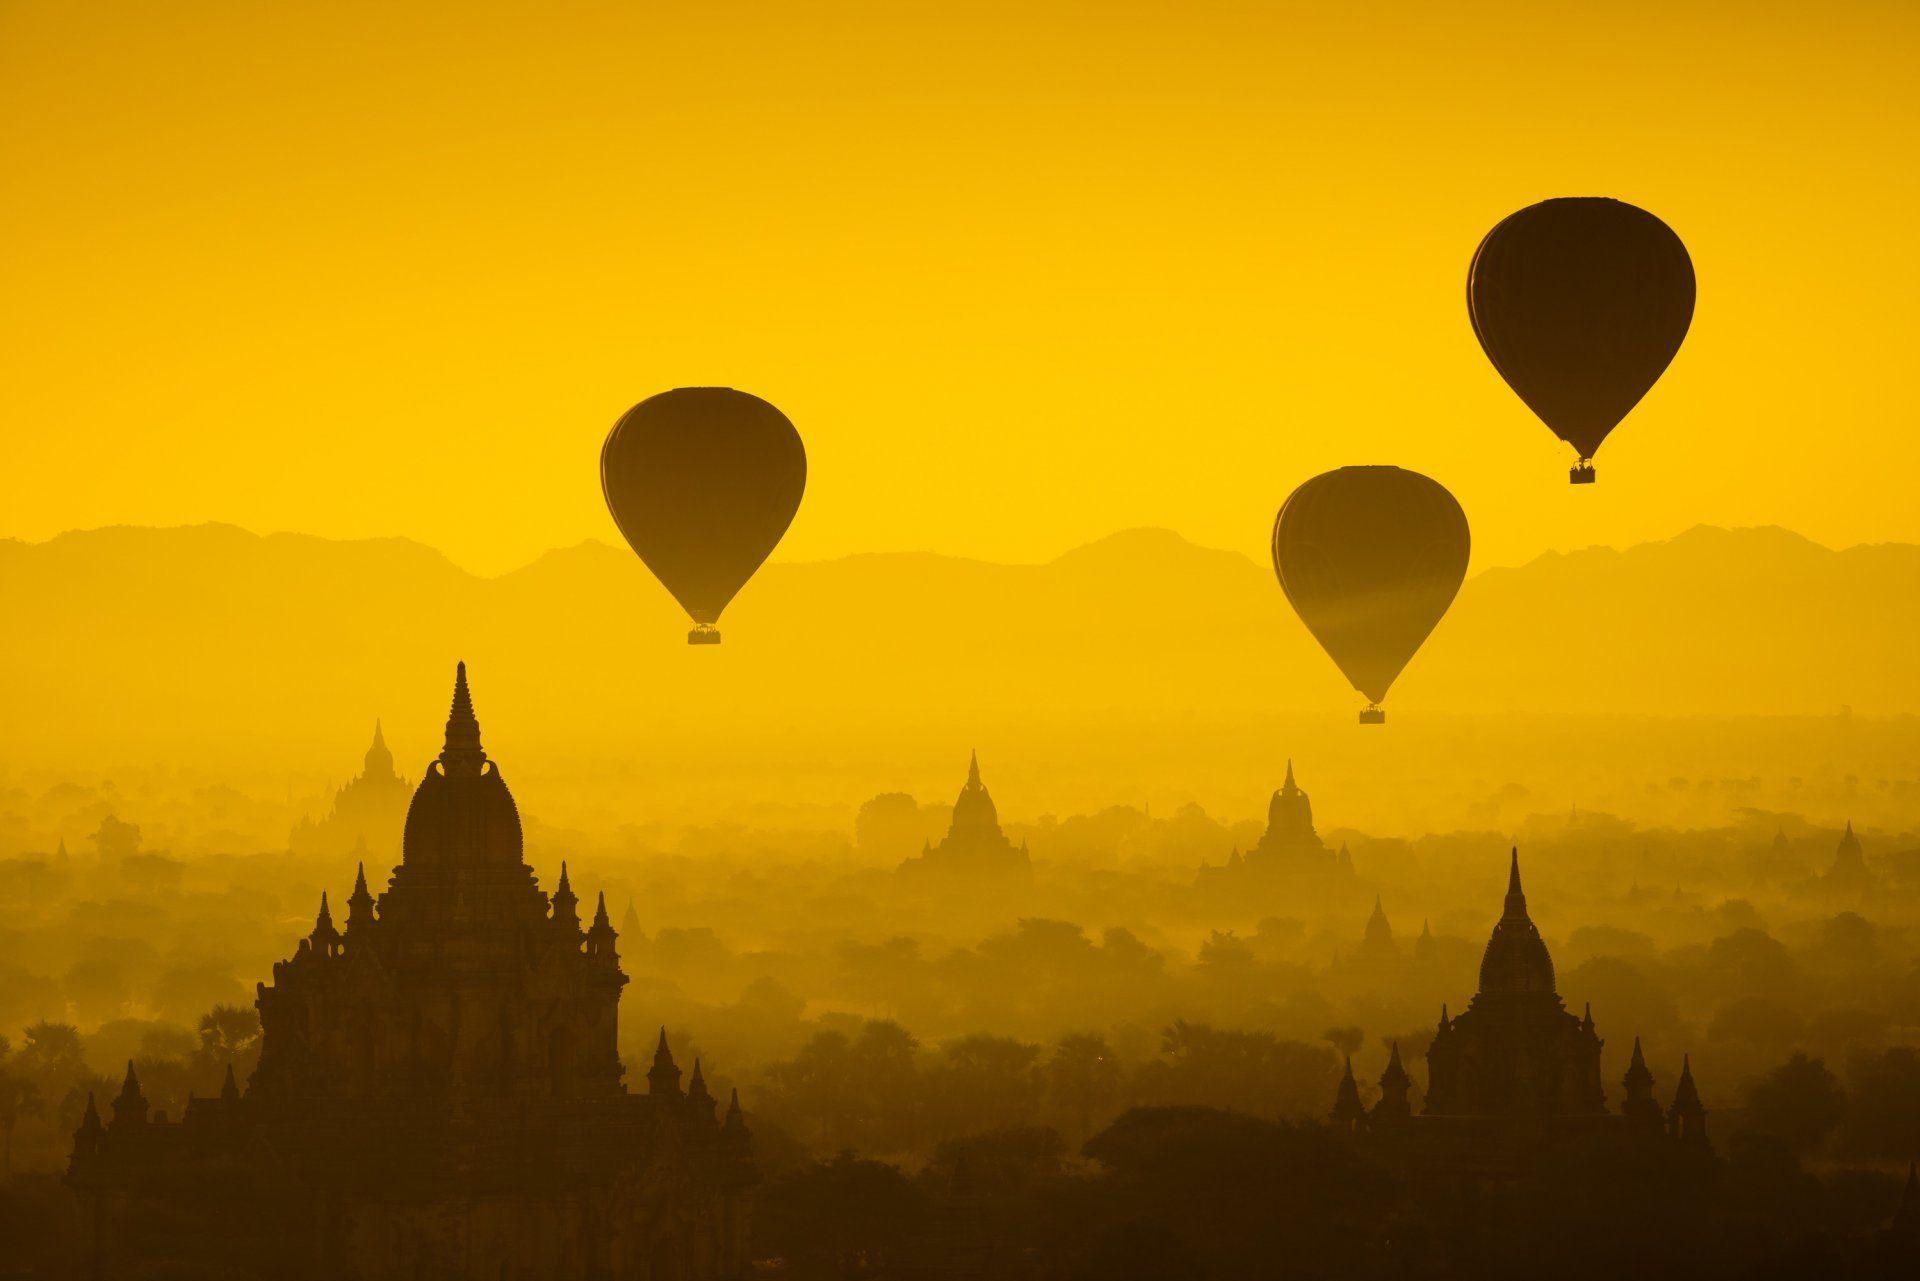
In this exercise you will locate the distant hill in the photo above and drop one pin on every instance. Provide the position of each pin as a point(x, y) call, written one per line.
point(126, 636)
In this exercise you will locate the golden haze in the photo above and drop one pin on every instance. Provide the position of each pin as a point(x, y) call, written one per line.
point(1022, 275)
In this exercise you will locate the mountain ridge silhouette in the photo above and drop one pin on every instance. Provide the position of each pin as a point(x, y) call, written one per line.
point(211, 630)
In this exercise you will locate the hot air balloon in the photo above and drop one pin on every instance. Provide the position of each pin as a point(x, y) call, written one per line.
point(703, 481)
point(1370, 558)
point(1581, 303)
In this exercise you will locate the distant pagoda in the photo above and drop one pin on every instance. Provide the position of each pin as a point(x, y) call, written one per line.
point(1289, 850)
point(1289, 838)
point(975, 847)
point(1848, 877)
point(365, 817)
point(438, 1095)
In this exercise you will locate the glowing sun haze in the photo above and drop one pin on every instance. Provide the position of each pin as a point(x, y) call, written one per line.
point(1021, 274)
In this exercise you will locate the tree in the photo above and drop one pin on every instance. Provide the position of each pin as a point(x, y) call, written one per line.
point(1799, 1103)
point(1883, 1104)
point(985, 1083)
point(18, 1097)
point(1254, 1072)
point(1083, 1074)
point(50, 1053)
point(229, 1037)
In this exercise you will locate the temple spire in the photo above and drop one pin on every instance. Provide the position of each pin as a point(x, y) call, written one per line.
point(325, 938)
point(379, 760)
point(697, 1090)
point(1395, 1086)
point(130, 1108)
point(663, 1077)
point(360, 902)
point(600, 938)
point(1687, 1118)
point(973, 769)
point(229, 1088)
point(1348, 1113)
point(566, 904)
point(462, 752)
point(1516, 905)
point(1289, 785)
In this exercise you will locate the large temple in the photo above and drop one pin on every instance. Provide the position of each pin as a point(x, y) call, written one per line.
point(1515, 1069)
point(439, 1094)
point(366, 814)
point(975, 847)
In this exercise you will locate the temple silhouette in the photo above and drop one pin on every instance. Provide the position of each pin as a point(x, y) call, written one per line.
point(1848, 876)
point(1514, 1071)
point(439, 1092)
point(1289, 850)
point(366, 814)
point(975, 848)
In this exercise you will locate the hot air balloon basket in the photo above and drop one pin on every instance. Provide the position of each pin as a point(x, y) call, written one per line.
point(1373, 716)
point(1581, 474)
point(704, 634)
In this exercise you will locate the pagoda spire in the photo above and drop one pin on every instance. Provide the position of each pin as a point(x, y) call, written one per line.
point(1348, 1113)
point(600, 938)
point(229, 1088)
point(325, 938)
point(697, 1092)
point(360, 902)
point(1395, 1086)
point(379, 760)
point(1290, 785)
point(734, 1128)
point(566, 904)
point(1516, 904)
point(663, 1077)
point(130, 1108)
point(462, 753)
point(1639, 1105)
point(973, 770)
point(1687, 1118)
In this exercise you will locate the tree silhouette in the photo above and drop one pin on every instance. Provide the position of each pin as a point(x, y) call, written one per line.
point(1083, 1075)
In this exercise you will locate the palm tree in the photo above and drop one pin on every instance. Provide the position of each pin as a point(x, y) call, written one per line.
point(18, 1097)
point(1084, 1075)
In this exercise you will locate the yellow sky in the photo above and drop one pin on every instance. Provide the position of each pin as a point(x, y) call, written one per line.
point(1021, 273)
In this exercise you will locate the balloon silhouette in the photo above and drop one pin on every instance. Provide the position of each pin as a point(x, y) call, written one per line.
point(1370, 558)
point(703, 481)
point(1581, 303)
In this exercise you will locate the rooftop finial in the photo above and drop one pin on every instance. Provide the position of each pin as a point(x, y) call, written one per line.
point(973, 769)
point(663, 1077)
point(462, 752)
point(1516, 897)
point(1289, 784)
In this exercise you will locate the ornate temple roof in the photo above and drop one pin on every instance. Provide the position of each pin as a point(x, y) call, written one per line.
point(1516, 962)
point(379, 760)
point(974, 812)
point(462, 812)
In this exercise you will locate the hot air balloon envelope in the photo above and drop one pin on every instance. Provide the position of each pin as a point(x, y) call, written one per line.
point(1370, 558)
point(1581, 303)
point(703, 481)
